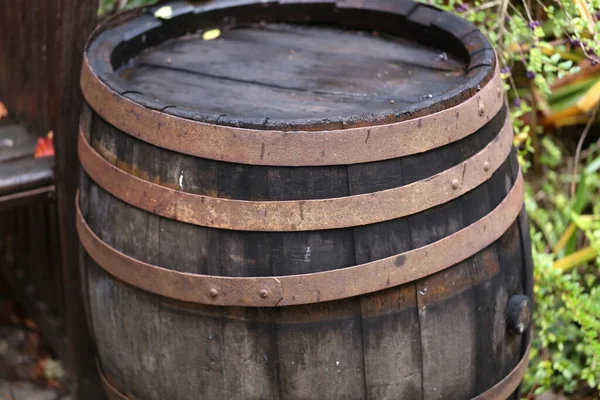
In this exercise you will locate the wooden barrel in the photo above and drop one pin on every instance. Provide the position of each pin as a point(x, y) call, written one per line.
point(322, 203)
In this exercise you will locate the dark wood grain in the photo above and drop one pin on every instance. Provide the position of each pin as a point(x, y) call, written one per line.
point(25, 173)
point(40, 59)
point(390, 323)
point(447, 345)
point(76, 20)
point(281, 71)
point(15, 142)
point(290, 350)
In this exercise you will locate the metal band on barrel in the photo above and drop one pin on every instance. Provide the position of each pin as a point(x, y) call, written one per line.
point(277, 148)
point(298, 215)
point(507, 386)
point(111, 392)
point(500, 391)
point(308, 288)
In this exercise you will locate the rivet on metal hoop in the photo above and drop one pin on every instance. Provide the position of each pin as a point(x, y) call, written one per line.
point(486, 166)
point(481, 109)
point(264, 293)
point(213, 292)
point(454, 183)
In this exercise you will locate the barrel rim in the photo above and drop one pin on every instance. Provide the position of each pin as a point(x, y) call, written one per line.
point(482, 62)
point(280, 148)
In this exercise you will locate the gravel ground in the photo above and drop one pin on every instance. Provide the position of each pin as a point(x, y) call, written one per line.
point(26, 390)
point(28, 370)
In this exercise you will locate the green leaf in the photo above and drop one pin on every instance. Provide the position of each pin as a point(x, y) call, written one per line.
point(552, 155)
point(566, 65)
point(592, 167)
point(579, 87)
point(578, 205)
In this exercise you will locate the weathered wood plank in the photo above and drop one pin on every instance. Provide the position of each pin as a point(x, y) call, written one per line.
point(320, 350)
point(510, 255)
point(300, 72)
point(25, 174)
point(319, 346)
point(392, 344)
point(15, 142)
point(186, 248)
point(449, 345)
point(390, 322)
point(64, 106)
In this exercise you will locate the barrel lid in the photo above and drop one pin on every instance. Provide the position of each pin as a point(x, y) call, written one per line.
point(293, 65)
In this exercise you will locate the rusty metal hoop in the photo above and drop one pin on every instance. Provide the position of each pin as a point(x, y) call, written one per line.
point(310, 288)
point(507, 386)
point(500, 391)
point(304, 215)
point(276, 148)
point(111, 391)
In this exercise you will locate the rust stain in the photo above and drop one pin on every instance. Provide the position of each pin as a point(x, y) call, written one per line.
point(107, 154)
point(400, 260)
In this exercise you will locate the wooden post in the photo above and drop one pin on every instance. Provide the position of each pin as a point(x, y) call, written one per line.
point(77, 19)
point(40, 61)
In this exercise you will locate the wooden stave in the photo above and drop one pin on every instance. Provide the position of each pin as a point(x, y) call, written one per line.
point(500, 391)
point(358, 306)
point(310, 288)
point(371, 325)
point(129, 155)
point(296, 215)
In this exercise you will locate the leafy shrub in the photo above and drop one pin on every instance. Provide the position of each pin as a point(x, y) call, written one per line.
point(537, 43)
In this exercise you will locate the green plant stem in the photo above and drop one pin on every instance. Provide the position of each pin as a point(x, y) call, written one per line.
point(535, 142)
point(580, 145)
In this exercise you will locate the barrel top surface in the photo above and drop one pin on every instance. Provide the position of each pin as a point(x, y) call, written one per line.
point(290, 65)
point(282, 71)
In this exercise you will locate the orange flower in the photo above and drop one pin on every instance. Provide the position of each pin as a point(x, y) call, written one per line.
point(45, 146)
point(3, 111)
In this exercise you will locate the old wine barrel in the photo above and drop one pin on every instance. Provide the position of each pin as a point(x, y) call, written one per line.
point(322, 203)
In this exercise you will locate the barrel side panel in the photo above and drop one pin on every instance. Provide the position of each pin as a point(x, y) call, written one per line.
point(391, 326)
point(447, 342)
point(319, 346)
point(441, 337)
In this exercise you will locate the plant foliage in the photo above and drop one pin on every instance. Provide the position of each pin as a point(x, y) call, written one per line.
point(539, 45)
